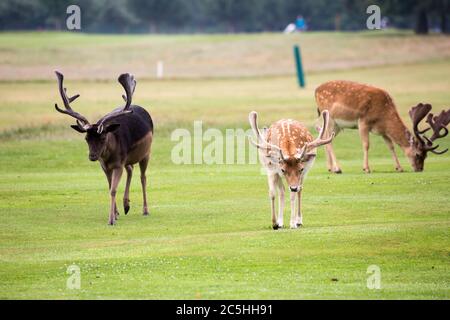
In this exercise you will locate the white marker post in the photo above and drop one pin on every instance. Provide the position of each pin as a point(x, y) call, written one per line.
point(160, 70)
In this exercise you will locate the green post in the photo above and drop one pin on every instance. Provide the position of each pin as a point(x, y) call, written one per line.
point(298, 62)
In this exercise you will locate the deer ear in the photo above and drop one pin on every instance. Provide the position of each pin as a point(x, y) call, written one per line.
point(112, 127)
point(308, 157)
point(77, 128)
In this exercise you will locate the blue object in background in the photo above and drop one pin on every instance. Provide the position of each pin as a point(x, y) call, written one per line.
point(300, 23)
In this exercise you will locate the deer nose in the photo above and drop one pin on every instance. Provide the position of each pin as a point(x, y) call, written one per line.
point(93, 157)
point(294, 189)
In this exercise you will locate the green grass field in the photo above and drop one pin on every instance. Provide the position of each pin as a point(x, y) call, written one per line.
point(209, 234)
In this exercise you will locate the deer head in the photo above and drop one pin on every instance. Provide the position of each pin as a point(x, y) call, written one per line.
point(96, 134)
point(420, 143)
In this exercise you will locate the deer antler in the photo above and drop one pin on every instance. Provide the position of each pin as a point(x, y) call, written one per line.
point(129, 85)
point(82, 122)
point(261, 144)
point(320, 141)
point(437, 123)
point(417, 114)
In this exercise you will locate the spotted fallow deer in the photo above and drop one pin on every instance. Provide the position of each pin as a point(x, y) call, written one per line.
point(287, 149)
point(118, 140)
point(370, 109)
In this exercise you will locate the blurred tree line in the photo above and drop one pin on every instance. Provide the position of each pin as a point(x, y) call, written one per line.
point(220, 15)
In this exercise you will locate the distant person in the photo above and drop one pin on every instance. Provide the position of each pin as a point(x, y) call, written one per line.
point(384, 23)
point(300, 23)
point(290, 28)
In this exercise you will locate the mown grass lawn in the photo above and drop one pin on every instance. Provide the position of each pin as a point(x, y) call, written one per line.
point(209, 234)
point(33, 55)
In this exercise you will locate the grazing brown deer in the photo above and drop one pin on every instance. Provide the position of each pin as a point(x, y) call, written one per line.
point(118, 140)
point(370, 109)
point(287, 149)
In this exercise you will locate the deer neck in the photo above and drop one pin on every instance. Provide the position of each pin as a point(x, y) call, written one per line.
point(110, 148)
point(400, 134)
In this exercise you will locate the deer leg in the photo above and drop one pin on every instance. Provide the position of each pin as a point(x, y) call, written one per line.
point(108, 174)
point(391, 147)
point(143, 166)
point(280, 201)
point(293, 223)
point(115, 179)
point(271, 179)
point(329, 161)
point(364, 134)
point(333, 161)
point(126, 196)
point(299, 209)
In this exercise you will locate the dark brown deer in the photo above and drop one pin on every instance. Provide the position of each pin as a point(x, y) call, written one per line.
point(118, 140)
point(370, 109)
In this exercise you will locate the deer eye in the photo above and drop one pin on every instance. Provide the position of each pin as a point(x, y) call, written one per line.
point(300, 170)
point(282, 170)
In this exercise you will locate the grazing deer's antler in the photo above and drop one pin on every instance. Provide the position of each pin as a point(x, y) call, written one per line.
point(129, 85)
point(437, 123)
point(82, 122)
point(417, 114)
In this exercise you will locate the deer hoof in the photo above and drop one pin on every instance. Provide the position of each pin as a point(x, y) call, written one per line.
point(299, 225)
point(338, 171)
point(399, 169)
point(366, 170)
point(126, 208)
point(275, 226)
point(112, 223)
point(146, 213)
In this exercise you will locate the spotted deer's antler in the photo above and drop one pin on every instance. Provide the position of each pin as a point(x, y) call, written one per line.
point(320, 141)
point(261, 143)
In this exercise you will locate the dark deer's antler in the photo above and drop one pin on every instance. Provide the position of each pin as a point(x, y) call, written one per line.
point(82, 122)
point(129, 84)
point(437, 123)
